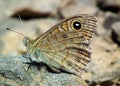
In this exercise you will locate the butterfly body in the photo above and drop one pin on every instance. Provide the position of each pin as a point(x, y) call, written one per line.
point(66, 45)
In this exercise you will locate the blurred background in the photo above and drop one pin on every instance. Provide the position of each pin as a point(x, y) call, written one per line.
point(37, 16)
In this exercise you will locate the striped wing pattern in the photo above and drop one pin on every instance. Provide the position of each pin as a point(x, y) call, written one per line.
point(65, 47)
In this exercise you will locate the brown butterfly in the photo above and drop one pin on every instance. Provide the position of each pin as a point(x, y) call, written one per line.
point(66, 45)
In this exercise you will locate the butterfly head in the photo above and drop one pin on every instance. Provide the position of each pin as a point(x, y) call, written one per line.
point(27, 42)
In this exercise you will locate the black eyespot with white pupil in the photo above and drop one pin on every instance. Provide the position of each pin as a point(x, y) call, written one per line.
point(64, 36)
point(77, 25)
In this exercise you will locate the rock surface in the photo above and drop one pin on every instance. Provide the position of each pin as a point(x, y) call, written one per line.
point(116, 32)
point(14, 72)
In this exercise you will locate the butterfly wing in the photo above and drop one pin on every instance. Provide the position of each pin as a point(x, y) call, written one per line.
point(66, 45)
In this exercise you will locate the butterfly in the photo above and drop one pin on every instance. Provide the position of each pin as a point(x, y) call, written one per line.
point(66, 45)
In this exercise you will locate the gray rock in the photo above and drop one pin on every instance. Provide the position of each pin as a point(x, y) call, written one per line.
point(13, 72)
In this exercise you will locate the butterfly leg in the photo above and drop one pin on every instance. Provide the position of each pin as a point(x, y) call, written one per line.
point(30, 61)
point(53, 69)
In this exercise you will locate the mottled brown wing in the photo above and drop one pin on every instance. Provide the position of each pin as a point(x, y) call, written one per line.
point(66, 45)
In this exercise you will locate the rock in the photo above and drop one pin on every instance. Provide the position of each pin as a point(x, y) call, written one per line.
point(109, 5)
point(110, 19)
point(105, 62)
point(74, 7)
point(12, 7)
point(13, 72)
point(116, 33)
point(2, 46)
point(105, 22)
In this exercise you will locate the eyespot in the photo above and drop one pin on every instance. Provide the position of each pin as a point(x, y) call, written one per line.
point(64, 36)
point(77, 25)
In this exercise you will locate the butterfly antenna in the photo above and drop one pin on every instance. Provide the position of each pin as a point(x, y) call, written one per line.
point(21, 24)
point(20, 19)
point(15, 32)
